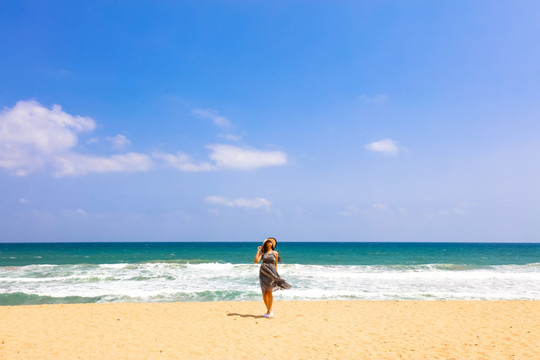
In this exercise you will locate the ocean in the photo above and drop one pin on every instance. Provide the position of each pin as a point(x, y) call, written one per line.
point(52, 273)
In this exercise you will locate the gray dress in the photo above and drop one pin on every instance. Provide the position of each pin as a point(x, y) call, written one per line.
point(268, 275)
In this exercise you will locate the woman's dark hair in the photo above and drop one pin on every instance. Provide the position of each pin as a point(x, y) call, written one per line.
point(265, 251)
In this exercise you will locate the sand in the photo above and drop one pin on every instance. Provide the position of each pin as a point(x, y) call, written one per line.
point(299, 330)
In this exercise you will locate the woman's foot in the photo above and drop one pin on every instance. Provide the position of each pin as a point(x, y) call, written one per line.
point(269, 315)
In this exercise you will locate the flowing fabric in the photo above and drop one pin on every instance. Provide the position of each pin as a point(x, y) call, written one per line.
point(269, 277)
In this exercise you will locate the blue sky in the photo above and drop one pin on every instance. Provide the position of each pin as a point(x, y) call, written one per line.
point(238, 120)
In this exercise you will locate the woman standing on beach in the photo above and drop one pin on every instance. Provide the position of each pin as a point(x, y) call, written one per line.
point(268, 275)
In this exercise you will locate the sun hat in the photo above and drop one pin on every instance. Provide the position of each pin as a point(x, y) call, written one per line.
point(272, 240)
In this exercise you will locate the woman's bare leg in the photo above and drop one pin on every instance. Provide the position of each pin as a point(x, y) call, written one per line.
point(265, 298)
point(268, 298)
point(270, 302)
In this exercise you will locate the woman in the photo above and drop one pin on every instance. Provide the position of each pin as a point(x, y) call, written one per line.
point(268, 275)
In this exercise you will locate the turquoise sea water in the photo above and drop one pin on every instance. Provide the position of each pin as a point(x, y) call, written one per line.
point(159, 272)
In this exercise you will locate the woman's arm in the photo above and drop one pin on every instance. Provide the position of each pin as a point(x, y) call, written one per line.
point(276, 256)
point(258, 255)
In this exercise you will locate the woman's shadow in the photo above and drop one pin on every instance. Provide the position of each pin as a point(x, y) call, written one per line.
point(246, 315)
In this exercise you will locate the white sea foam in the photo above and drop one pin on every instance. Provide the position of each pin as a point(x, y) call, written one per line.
point(174, 281)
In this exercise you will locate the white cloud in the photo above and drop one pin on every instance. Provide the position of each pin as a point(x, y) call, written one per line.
point(33, 136)
point(349, 210)
point(245, 203)
point(78, 213)
point(119, 142)
point(234, 157)
point(380, 207)
point(76, 164)
point(213, 115)
point(225, 157)
point(374, 99)
point(386, 146)
point(182, 162)
point(81, 212)
point(24, 201)
point(457, 210)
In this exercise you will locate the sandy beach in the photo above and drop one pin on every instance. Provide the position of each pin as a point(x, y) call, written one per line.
point(299, 330)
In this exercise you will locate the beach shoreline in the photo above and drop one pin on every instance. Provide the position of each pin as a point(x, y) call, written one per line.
point(200, 272)
point(334, 329)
